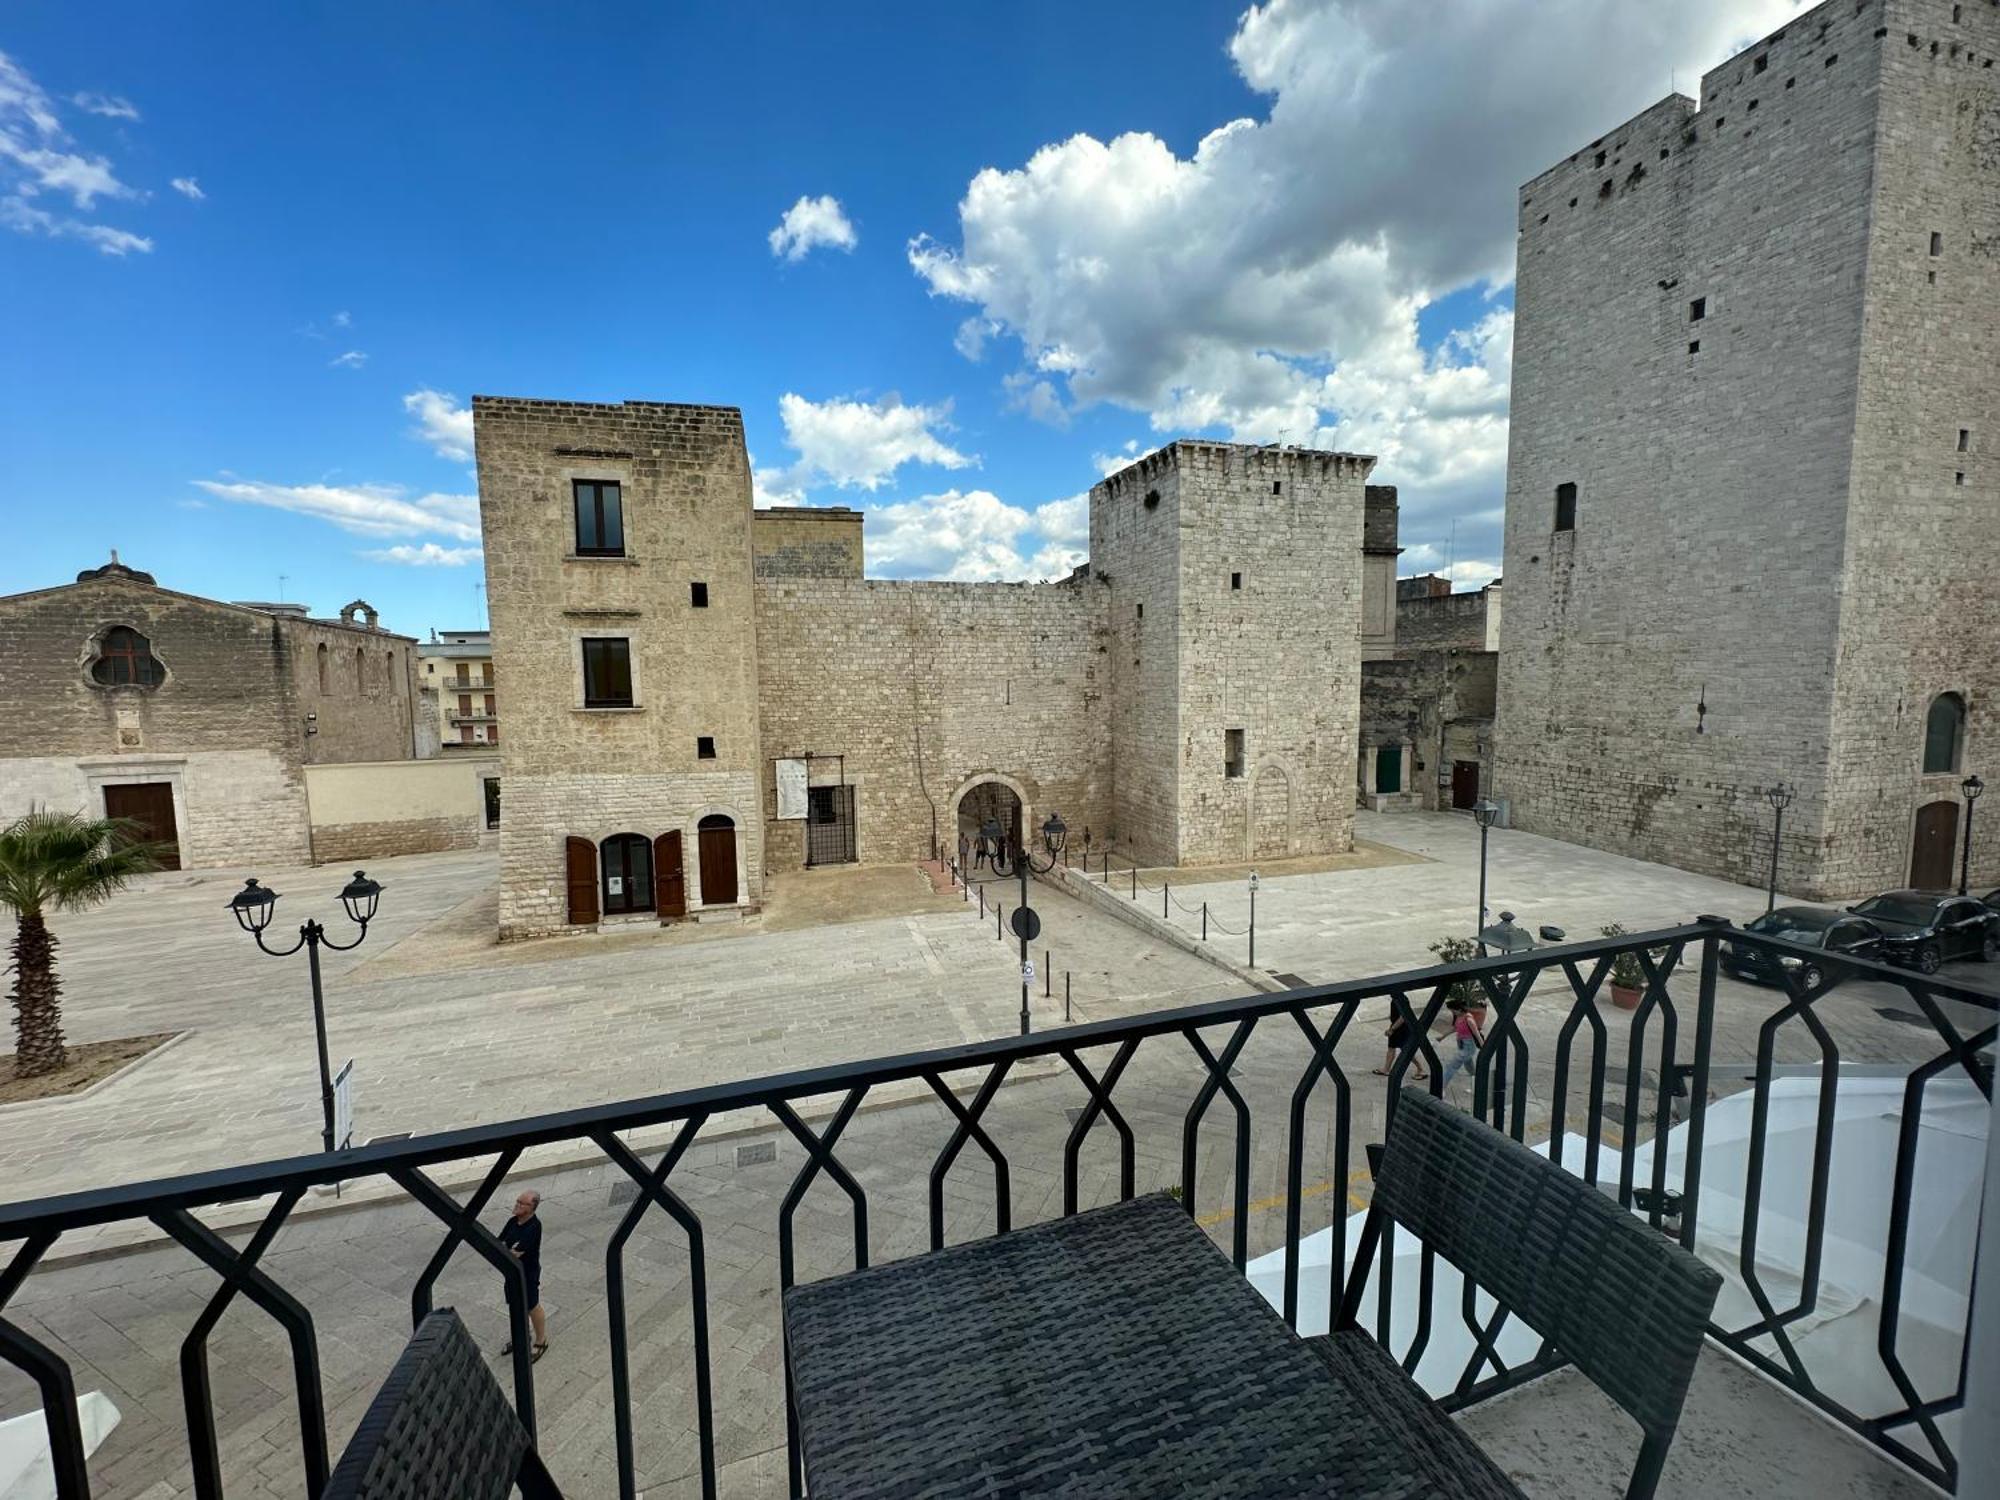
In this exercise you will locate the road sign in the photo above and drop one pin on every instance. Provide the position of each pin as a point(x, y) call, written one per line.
point(343, 1106)
point(1026, 923)
point(1028, 972)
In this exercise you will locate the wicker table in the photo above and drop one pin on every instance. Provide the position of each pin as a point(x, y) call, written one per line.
point(1114, 1354)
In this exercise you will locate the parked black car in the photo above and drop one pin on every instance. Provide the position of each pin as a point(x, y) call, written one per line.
point(1837, 932)
point(1992, 899)
point(1924, 929)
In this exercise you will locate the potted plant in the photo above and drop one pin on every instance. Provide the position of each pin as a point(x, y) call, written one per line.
point(1628, 979)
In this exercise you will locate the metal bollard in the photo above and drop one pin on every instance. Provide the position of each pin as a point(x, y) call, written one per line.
point(982, 903)
point(998, 911)
point(1135, 882)
point(1048, 974)
point(1164, 887)
point(1065, 994)
point(1204, 921)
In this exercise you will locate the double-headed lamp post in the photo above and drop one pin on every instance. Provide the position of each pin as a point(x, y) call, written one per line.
point(1780, 798)
point(1055, 839)
point(1484, 813)
point(1972, 786)
point(254, 906)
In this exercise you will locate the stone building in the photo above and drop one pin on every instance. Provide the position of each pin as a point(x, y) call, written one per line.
point(701, 692)
point(196, 718)
point(457, 678)
point(1427, 709)
point(1753, 498)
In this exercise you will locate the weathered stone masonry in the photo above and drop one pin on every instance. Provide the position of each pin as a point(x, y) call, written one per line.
point(1761, 338)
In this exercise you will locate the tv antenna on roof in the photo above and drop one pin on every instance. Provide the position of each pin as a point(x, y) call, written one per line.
point(281, 586)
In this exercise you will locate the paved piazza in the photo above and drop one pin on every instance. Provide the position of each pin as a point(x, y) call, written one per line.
point(447, 1029)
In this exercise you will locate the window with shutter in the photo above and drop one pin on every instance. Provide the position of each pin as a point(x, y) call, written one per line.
point(580, 861)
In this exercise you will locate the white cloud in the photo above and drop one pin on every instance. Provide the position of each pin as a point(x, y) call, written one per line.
point(37, 157)
point(366, 509)
point(1268, 285)
point(108, 105)
point(810, 223)
point(975, 536)
point(860, 444)
point(353, 359)
point(441, 421)
point(342, 319)
point(769, 487)
point(1037, 397)
point(187, 187)
point(429, 555)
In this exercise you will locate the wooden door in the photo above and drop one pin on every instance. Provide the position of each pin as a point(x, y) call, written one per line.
point(669, 880)
point(1464, 783)
point(150, 804)
point(715, 851)
point(1932, 849)
point(580, 868)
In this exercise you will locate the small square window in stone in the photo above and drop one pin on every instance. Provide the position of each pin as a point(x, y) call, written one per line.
point(600, 518)
point(699, 594)
point(1694, 346)
point(1232, 752)
point(704, 747)
point(1236, 580)
point(1566, 507)
point(1697, 309)
point(1964, 439)
point(1937, 243)
point(607, 673)
point(1277, 487)
point(124, 658)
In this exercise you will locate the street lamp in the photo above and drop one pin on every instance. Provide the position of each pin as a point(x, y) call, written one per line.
point(1780, 798)
point(1027, 925)
point(253, 908)
point(1253, 919)
point(1972, 786)
point(1484, 813)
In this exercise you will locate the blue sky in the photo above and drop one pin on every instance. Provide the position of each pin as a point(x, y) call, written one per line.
point(255, 258)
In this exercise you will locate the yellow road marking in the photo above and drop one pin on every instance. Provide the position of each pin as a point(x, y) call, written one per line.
point(1354, 1200)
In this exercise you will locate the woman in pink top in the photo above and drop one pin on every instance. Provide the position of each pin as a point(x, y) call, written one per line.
point(1465, 1025)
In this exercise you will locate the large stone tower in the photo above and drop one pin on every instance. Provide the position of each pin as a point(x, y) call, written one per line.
point(1234, 636)
point(1752, 519)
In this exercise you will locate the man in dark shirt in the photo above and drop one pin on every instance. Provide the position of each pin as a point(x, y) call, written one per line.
point(522, 1234)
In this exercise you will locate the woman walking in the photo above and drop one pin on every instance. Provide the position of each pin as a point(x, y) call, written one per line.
point(1467, 1027)
point(1399, 1031)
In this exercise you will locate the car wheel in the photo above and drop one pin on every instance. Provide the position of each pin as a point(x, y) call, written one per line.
point(1811, 980)
point(1928, 959)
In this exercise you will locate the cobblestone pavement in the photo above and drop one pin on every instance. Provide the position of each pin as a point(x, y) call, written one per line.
point(120, 1319)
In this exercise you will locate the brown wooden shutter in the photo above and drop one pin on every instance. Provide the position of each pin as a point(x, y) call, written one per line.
point(580, 857)
point(669, 880)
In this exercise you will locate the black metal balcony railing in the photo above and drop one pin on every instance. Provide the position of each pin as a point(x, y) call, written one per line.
point(1657, 1065)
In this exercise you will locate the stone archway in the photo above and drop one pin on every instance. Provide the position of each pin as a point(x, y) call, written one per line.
point(1270, 813)
point(983, 798)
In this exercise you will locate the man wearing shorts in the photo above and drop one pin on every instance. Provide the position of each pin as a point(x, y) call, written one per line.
point(522, 1235)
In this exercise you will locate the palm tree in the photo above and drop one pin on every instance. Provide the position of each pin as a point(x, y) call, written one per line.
point(56, 861)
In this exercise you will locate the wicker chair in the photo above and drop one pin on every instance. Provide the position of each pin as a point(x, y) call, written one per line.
point(1627, 1306)
point(440, 1429)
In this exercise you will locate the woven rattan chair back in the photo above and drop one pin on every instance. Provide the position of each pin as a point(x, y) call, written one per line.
point(1625, 1304)
point(439, 1429)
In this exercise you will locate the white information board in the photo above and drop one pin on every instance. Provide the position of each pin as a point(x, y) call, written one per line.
point(343, 1106)
point(791, 788)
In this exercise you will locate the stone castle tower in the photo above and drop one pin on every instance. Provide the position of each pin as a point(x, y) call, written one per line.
point(1753, 492)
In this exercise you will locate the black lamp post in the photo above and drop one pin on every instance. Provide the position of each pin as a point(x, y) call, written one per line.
point(1253, 919)
point(1780, 798)
point(1972, 786)
point(254, 905)
point(1484, 813)
point(1055, 839)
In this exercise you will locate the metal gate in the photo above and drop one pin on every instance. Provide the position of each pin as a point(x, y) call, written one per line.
point(830, 825)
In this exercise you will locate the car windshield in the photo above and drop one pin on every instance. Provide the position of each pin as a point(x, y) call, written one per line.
point(1913, 910)
point(1792, 924)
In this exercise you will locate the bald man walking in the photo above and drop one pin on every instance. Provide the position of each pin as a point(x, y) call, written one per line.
point(522, 1235)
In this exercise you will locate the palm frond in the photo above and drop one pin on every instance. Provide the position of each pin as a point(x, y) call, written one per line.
point(66, 861)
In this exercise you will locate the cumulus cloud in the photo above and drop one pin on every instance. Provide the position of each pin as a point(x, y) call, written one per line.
point(1269, 284)
point(429, 555)
point(108, 105)
point(441, 421)
point(39, 160)
point(187, 187)
point(972, 536)
point(810, 223)
point(353, 359)
point(860, 444)
point(381, 510)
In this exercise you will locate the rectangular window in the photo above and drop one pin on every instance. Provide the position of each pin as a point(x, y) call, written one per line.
point(1965, 440)
point(1142, 613)
point(1277, 486)
point(1232, 752)
point(465, 704)
point(1760, 64)
point(698, 593)
point(1694, 346)
point(1959, 477)
point(1697, 309)
point(465, 734)
point(600, 518)
point(489, 705)
point(1565, 507)
point(1236, 580)
point(704, 747)
point(1937, 244)
point(607, 673)
point(493, 734)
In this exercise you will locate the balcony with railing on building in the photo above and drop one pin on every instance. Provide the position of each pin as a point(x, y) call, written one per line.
point(1748, 1217)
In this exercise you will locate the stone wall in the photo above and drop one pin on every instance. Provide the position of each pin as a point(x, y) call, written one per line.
point(922, 690)
point(1438, 705)
point(1443, 622)
point(804, 541)
point(1379, 619)
point(370, 810)
point(685, 479)
point(1727, 340)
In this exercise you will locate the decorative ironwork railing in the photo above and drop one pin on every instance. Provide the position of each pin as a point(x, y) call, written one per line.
point(1545, 999)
